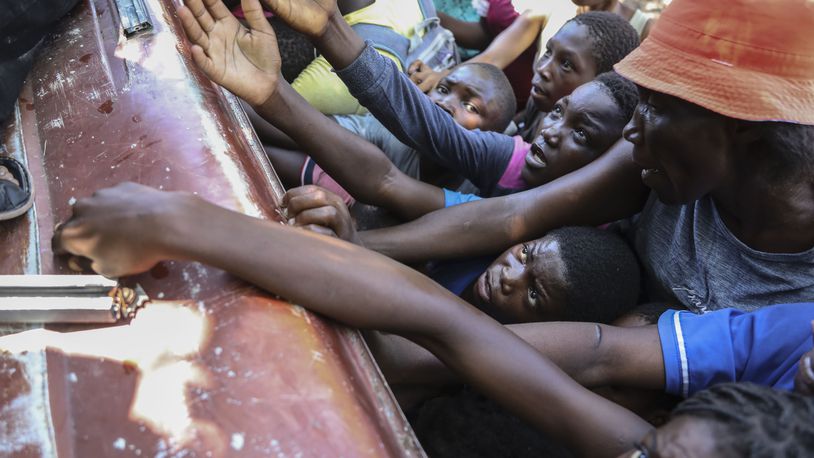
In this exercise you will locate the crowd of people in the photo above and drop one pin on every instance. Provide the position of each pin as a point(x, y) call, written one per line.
point(650, 184)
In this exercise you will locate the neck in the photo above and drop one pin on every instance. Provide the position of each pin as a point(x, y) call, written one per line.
point(769, 217)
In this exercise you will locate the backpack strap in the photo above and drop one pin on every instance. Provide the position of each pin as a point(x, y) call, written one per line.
point(385, 39)
point(427, 8)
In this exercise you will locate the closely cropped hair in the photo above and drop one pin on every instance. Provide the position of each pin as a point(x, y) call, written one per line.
point(787, 148)
point(601, 272)
point(504, 94)
point(755, 421)
point(622, 90)
point(612, 37)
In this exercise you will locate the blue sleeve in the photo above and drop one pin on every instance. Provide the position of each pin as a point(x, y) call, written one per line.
point(452, 198)
point(399, 105)
point(762, 347)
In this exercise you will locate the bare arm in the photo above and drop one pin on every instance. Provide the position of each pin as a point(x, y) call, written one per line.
point(356, 164)
point(510, 43)
point(470, 35)
point(594, 355)
point(605, 190)
point(253, 74)
point(126, 229)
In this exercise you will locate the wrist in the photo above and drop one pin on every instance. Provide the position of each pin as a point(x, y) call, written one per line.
point(177, 221)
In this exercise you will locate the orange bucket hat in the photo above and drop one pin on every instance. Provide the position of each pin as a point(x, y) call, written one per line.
point(746, 59)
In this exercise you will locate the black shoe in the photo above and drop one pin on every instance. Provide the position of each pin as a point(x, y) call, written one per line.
point(16, 193)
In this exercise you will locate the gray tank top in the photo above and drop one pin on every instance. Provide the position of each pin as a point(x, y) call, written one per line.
point(690, 257)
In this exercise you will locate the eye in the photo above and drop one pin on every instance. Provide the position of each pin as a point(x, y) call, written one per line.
point(641, 451)
point(567, 65)
point(471, 108)
point(524, 253)
point(580, 136)
point(555, 112)
point(442, 89)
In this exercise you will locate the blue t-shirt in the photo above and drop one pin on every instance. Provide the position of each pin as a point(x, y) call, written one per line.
point(763, 347)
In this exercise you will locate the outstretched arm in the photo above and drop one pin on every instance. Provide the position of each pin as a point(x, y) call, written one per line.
point(359, 166)
point(396, 102)
point(607, 189)
point(128, 228)
point(595, 355)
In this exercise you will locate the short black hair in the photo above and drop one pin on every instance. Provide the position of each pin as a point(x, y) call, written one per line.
point(786, 148)
point(602, 273)
point(612, 37)
point(504, 101)
point(622, 91)
point(753, 420)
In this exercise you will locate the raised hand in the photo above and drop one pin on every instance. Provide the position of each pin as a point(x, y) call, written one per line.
point(244, 61)
point(320, 211)
point(424, 77)
point(309, 17)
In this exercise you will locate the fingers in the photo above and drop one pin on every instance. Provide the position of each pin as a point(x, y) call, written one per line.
point(217, 10)
point(303, 198)
point(804, 379)
point(203, 61)
point(253, 12)
point(200, 14)
point(192, 28)
point(416, 66)
point(321, 230)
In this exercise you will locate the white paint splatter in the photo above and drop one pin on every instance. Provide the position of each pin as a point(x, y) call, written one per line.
point(231, 374)
point(238, 439)
point(72, 201)
point(72, 377)
point(119, 444)
point(217, 351)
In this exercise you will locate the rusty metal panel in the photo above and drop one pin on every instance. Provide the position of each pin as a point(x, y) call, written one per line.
point(213, 366)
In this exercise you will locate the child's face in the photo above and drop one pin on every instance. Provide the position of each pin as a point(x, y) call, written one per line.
point(566, 64)
point(576, 131)
point(526, 284)
point(467, 97)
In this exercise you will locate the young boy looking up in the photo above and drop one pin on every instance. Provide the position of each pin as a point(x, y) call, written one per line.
point(571, 274)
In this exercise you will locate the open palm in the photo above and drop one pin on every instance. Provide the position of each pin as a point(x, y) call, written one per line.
point(244, 61)
point(309, 17)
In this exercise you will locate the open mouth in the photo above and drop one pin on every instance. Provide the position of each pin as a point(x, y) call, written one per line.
point(536, 158)
point(538, 91)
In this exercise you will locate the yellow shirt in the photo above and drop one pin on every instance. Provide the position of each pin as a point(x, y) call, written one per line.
point(323, 89)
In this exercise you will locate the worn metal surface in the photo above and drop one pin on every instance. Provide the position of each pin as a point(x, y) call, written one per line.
point(213, 367)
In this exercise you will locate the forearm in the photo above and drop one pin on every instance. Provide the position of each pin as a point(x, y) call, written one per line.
point(416, 121)
point(470, 35)
point(356, 164)
point(593, 355)
point(366, 290)
point(605, 190)
point(512, 42)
